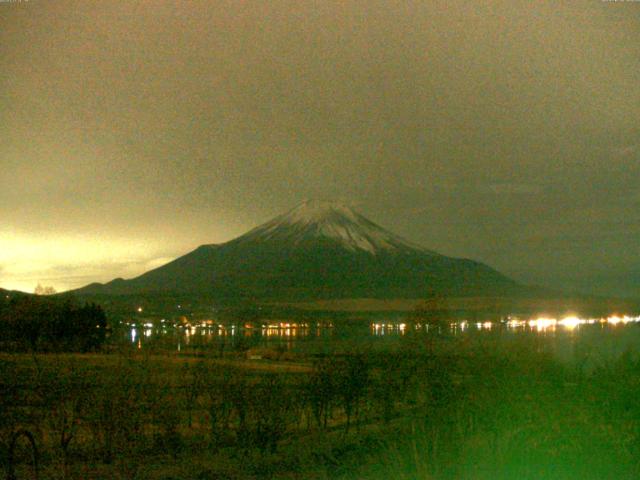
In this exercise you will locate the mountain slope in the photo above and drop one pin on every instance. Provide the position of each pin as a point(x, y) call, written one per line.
point(317, 250)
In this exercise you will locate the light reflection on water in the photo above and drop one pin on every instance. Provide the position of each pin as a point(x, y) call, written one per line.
point(206, 332)
point(608, 333)
point(539, 325)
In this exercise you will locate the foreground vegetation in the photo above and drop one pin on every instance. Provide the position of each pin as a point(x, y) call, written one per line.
point(434, 408)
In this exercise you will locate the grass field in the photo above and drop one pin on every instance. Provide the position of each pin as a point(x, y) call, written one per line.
point(432, 408)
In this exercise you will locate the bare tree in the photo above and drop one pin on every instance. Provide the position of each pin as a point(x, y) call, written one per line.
point(44, 290)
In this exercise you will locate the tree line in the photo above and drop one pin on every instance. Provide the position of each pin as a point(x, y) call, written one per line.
point(38, 323)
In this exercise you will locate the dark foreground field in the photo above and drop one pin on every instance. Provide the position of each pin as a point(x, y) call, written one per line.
point(434, 408)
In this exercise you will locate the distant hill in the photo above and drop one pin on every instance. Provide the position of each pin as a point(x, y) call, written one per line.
point(318, 250)
point(6, 295)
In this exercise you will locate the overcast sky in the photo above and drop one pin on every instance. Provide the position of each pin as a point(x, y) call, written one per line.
point(503, 131)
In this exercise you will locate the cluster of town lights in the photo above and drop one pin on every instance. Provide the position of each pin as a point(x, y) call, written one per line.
point(571, 322)
point(210, 327)
point(540, 324)
point(380, 329)
point(293, 329)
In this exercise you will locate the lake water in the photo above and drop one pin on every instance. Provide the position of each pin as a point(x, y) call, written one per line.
point(570, 339)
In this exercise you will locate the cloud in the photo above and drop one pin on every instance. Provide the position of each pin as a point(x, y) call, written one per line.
point(515, 188)
point(625, 150)
point(73, 261)
point(160, 125)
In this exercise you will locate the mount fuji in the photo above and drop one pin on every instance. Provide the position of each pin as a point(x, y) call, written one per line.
point(318, 250)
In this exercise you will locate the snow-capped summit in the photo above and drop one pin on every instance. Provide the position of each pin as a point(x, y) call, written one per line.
point(327, 220)
point(317, 211)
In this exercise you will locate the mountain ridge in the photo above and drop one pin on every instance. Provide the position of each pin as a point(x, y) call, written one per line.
point(316, 250)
